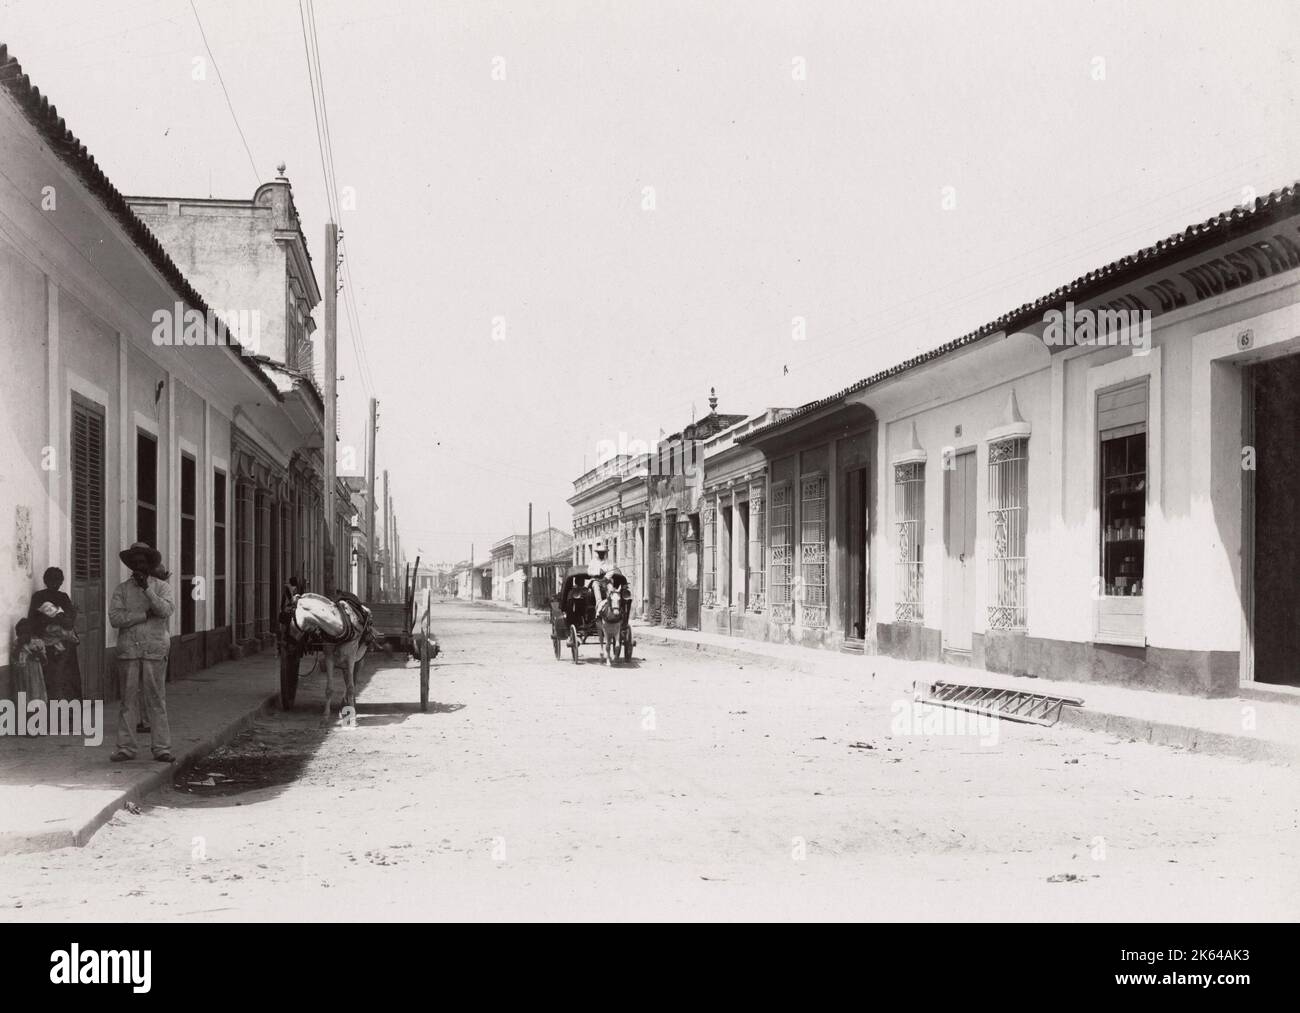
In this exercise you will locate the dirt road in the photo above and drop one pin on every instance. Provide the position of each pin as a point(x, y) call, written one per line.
point(683, 786)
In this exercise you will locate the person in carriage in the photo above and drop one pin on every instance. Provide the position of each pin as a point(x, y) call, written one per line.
point(599, 570)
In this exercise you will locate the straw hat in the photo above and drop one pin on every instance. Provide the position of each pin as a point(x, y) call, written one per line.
point(152, 556)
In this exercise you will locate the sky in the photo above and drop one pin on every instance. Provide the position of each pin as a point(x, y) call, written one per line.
point(566, 222)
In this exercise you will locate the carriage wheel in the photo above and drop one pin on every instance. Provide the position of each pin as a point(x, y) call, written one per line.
point(627, 645)
point(288, 677)
point(573, 642)
point(424, 675)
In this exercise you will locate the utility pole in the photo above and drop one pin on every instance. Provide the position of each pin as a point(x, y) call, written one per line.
point(371, 554)
point(528, 576)
point(471, 571)
point(393, 565)
point(384, 582)
point(329, 450)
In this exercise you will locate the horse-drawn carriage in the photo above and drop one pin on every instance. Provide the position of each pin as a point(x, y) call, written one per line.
point(575, 616)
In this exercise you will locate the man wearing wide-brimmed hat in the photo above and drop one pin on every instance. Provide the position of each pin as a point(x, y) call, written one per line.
point(140, 610)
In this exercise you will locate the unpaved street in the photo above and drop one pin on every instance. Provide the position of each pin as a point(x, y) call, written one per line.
point(684, 786)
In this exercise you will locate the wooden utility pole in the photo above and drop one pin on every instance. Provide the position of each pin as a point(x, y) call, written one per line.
point(371, 555)
point(385, 581)
point(329, 450)
point(471, 571)
point(528, 575)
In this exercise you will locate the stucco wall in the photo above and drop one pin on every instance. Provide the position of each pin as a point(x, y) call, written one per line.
point(230, 255)
point(88, 353)
point(977, 414)
point(23, 438)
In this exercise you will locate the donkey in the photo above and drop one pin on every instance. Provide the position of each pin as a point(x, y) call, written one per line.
point(609, 621)
point(344, 632)
point(349, 654)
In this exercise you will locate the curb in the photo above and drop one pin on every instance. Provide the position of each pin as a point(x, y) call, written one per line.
point(804, 666)
point(20, 843)
point(1158, 733)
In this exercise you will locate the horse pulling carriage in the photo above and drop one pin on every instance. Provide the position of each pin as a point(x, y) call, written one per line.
point(575, 616)
point(342, 628)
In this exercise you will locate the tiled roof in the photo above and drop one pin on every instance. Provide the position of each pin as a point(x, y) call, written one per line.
point(1191, 240)
point(285, 379)
point(45, 118)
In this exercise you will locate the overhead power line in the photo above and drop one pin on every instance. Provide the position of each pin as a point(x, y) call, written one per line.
point(329, 176)
point(229, 105)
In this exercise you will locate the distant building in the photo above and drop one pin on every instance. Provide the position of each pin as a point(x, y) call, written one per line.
point(510, 558)
point(647, 509)
point(733, 518)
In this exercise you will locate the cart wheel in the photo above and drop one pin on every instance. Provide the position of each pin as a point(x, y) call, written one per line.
point(288, 678)
point(424, 675)
point(573, 642)
point(627, 645)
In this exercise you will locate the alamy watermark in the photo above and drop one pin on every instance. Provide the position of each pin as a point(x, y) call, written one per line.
point(915, 717)
point(1103, 327)
point(75, 966)
point(178, 326)
point(654, 458)
point(82, 719)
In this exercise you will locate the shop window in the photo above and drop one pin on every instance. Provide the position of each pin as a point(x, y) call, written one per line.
point(909, 514)
point(782, 562)
point(1122, 463)
point(1008, 502)
point(812, 550)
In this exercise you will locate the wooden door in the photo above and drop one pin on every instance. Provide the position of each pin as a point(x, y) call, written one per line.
point(1276, 556)
point(86, 455)
point(671, 564)
point(959, 543)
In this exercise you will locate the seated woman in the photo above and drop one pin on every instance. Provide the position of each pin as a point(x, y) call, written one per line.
point(51, 618)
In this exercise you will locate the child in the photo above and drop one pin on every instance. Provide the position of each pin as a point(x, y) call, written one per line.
point(30, 653)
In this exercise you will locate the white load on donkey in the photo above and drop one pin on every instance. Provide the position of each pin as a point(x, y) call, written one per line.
point(342, 628)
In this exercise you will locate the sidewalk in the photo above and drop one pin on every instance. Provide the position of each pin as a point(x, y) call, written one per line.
point(1248, 728)
point(1251, 729)
point(56, 792)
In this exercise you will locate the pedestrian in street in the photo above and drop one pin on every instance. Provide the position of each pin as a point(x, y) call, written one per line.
point(140, 611)
point(162, 573)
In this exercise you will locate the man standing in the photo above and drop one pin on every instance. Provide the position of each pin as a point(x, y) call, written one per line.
point(140, 610)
